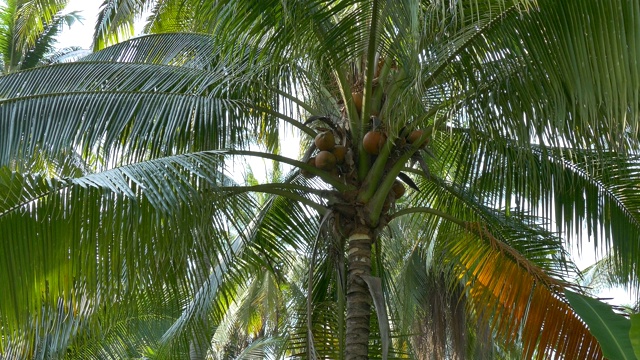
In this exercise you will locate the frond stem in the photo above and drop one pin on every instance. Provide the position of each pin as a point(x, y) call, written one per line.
point(307, 130)
point(428, 210)
point(297, 101)
point(458, 50)
point(370, 65)
point(326, 177)
point(282, 190)
point(367, 96)
point(378, 193)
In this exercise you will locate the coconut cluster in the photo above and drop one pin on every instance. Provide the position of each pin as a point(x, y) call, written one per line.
point(374, 140)
point(334, 151)
point(330, 156)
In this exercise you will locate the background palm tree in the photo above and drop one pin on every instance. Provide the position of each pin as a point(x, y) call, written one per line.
point(28, 31)
point(124, 233)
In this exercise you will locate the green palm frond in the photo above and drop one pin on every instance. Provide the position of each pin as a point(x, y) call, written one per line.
point(45, 44)
point(528, 112)
point(115, 21)
point(534, 85)
point(268, 242)
point(28, 30)
point(175, 16)
point(129, 331)
point(259, 247)
point(64, 55)
point(100, 91)
point(34, 16)
point(124, 125)
point(7, 14)
point(188, 50)
point(106, 76)
point(602, 193)
point(70, 228)
point(574, 191)
point(456, 204)
point(600, 276)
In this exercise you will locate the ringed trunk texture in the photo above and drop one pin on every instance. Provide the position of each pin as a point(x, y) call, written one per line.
point(358, 296)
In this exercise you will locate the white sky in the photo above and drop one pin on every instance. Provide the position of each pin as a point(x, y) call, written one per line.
point(80, 34)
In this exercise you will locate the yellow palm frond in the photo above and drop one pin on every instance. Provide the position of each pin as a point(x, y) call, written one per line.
point(519, 300)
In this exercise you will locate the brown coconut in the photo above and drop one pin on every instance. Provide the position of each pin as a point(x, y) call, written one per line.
point(398, 189)
point(325, 141)
point(339, 151)
point(357, 100)
point(415, 135)
point(307, 174)
point(373, 142)
point(325, 160)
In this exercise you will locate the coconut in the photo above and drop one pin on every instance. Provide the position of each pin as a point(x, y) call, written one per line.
point(357, 100)
point(325, 160)
point(307, 174)
point(373, 142)
point(398, 189)
point(339, 152)
point(415, 135)
point(325, 141)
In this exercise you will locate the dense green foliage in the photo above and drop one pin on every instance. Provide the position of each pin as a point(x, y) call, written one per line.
point(28, 31)
point(126, 230)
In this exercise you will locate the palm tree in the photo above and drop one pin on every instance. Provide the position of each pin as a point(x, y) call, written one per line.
point(28, 31)
point(125, 232)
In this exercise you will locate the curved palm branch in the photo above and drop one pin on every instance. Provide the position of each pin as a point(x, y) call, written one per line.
point(115, 21)
point(28, 30)
point(492, 83)
point(574, 189)
point(44, 47)
point(258, 244)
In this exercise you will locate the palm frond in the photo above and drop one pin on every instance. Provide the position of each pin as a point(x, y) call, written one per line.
point(33, 17)
point(67, 54)
point(600, 190)
point(517, 302)
point(28, 30)
point(70, 227)
point(57, 120)
point(552, 96)
point(115, 21)
point(45, 44)
point(130, 330)
point(514, 295)
point(262, 241)
point(175, 16)
point(188, 50)
point(7, 13)
point(580, 193)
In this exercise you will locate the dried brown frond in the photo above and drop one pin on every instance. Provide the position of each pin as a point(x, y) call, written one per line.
point(520, 301)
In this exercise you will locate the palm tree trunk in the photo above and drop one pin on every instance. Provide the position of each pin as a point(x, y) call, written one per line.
point(358, 296)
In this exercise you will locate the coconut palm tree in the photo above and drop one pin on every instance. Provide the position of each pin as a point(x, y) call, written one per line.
point(28, 31)
point(450, 152)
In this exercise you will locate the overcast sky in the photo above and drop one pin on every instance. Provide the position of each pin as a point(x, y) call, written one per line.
point(80, 33)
